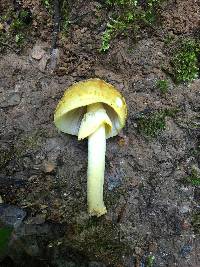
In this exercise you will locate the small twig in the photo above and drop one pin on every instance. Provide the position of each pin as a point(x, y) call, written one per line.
point(56, 23)
point(56, 28)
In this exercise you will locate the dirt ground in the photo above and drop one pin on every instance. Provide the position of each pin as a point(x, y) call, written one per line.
point(151, 219)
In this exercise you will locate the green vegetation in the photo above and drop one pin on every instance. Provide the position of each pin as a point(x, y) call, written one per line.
point(18, 150)
point(196, 151)
point(107, 36)
point(47, 4)
point(120, 2)
point(5, 157)
point(150, 261)
point(21, 20)
point(153, 123)
point(168, 39)
point(19, 39)
point(128, 15)
point(193, 178)
point(17, 25)
point(185, 61)
point(163, 86)
point(196, 222)
point(64, 13)
point(95, 236)
point(5, 233)
point(64, 24)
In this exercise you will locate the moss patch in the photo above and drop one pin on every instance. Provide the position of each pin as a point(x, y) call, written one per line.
point(15, 26)
point(185, 61)
point(196, 222)
point(5, 233)
point(162, 86)
point(16, 151)
point(128, 15)
point(153, 123)
point(192, 179)
point(150, 261)
point(98, 239)
point(64, 23)
point(47, 4)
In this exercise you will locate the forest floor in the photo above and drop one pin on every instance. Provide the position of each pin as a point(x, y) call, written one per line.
point(152, 178)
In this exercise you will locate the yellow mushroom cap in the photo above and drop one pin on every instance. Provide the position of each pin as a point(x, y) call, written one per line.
point(71, 108)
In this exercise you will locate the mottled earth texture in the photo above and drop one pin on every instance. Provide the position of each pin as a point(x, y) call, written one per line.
point(153, 215)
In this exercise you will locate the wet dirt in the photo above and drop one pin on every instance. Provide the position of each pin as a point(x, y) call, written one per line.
point(43, 172)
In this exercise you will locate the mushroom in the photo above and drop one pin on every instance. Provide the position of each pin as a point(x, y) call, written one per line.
point(95, 110)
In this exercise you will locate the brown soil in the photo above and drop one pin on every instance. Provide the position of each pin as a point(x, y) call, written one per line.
point(43, 172)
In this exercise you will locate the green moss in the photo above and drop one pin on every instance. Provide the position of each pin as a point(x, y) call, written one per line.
point(19, 39)
point(150, 261)
point(21, 20)
point(192, 123)
point(192, 179)
point(5, 233)
point(196, 222)
point(5, 157)
point(196, 151)
point(120, 2)
point(168, 39)
point(19, 149)
point(19, 23)
point(64, 17)
point(154, 123)
point(163, 86)
point(185, 61)
point(106, 38)
point(47, 4)
point(128, 15)
point(98, 239)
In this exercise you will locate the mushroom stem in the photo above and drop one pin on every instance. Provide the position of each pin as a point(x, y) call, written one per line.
point(96, 168)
